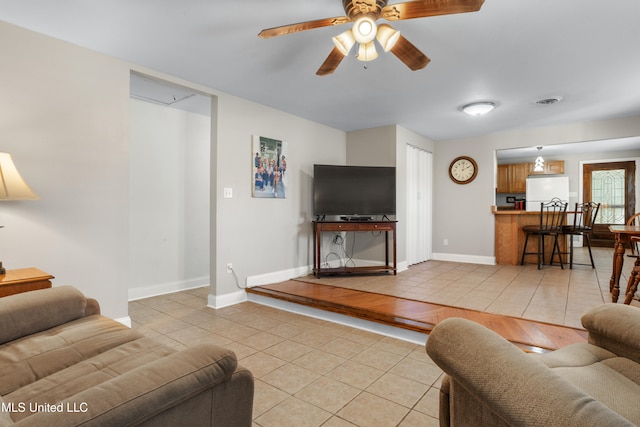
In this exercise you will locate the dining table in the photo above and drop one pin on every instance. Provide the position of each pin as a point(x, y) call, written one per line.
point(623, 234)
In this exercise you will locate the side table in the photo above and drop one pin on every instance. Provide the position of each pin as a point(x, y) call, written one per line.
point(23, 280)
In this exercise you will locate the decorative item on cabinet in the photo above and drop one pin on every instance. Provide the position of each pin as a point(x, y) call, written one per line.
point(550, 167)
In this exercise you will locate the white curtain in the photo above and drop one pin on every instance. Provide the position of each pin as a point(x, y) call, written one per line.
point(419, 196)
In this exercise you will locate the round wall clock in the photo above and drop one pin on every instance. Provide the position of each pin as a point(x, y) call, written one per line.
point(463, 170)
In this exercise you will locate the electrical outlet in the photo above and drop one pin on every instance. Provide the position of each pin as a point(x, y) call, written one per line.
point(445, 242)
point(229, 268)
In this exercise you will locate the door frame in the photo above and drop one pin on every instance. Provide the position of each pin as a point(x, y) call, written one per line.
point(613, 160)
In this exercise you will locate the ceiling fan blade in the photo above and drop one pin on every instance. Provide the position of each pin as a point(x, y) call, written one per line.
point(409, 54)
point(303, 26)
point(331, 63)
point(425, 8)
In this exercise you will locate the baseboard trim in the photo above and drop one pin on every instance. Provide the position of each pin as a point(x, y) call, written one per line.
point(278, 276)
point(284, 275)
point(470, 259)
point(124, 320)
point(365, 325)
point(226, 300)
point(166, 288)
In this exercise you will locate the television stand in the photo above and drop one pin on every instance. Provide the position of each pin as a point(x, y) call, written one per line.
point(320, 227)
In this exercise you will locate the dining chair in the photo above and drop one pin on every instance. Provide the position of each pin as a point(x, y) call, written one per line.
point(634, 220)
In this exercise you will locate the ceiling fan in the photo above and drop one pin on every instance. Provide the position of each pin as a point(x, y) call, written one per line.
point(364, 14)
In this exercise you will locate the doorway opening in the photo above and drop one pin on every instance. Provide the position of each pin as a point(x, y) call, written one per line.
point(169, 187)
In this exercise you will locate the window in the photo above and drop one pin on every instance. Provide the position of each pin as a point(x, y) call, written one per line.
point(608, 189)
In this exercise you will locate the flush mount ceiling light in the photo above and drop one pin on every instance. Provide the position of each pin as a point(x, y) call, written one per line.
point(363, 14)
point(478, 108)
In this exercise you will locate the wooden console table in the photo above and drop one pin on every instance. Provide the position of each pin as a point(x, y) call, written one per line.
point(320, 227)
point(23, 280)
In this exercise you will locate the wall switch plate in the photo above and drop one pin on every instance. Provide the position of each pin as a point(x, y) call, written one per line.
point(228, 193)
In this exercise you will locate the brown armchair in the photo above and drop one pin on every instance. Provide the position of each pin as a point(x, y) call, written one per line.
point(490, 382)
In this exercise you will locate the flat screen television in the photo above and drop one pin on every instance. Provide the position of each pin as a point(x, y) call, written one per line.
point(353, 191)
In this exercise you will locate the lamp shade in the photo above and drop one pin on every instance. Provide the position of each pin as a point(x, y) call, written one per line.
point(387, 36)
point(12, 186)
point(367, 52)
point(344, 42)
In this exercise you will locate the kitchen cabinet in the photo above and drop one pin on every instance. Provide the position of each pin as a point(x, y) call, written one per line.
point(512, 178)
point(503, 179)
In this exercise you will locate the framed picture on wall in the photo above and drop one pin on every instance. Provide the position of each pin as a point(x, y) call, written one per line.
point(269, 171)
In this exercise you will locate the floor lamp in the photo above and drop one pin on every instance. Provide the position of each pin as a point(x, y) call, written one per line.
point(12, 186)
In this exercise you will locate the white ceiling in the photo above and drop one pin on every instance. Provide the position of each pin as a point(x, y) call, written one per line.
point(560, 150)
point(511, 51)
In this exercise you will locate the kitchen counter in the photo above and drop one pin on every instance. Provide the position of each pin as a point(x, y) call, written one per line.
point(509, 237)
point(512, 211)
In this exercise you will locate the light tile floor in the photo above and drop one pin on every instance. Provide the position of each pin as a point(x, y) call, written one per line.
point(310, 372)
point(551, 294)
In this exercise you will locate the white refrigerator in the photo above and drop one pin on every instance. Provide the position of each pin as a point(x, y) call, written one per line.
point(544, 188)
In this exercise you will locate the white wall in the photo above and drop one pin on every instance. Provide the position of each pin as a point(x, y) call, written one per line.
point(64, 118)
point(266, 240)
point(385, 146)
point(169, 199)
point(462, 213)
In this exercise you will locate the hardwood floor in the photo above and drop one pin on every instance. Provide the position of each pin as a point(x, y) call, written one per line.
point(418, 316)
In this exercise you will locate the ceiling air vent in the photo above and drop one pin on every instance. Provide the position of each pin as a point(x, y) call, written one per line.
point(547, 101)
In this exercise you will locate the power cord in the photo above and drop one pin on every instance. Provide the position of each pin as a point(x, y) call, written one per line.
point(235, 278)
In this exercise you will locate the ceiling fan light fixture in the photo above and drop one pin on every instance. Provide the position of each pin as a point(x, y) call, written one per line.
point(387, 36)
point(344, 42)
point(478, 108)
point(367, 52)
point(364, 29)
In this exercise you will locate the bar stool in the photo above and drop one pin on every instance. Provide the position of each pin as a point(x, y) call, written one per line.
point(550, 224)
point(584, 216)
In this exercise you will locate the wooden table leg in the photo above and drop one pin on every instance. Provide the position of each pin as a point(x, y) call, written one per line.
point(618, 261)
point(632, 286)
